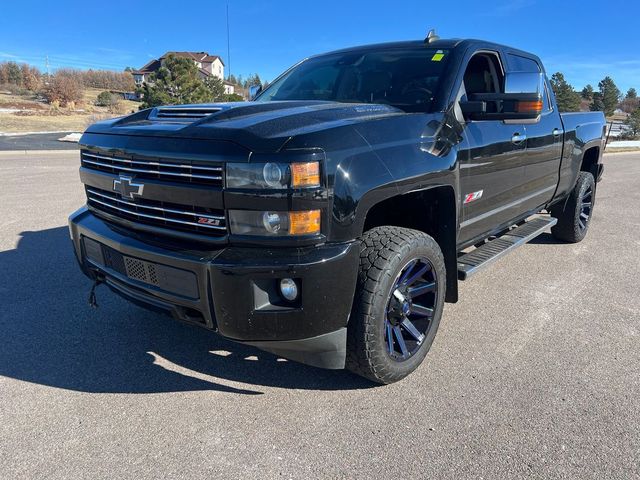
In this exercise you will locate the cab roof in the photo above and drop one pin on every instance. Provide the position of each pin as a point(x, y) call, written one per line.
point(445, 44)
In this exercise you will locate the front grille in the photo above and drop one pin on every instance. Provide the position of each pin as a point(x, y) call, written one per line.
point(174, 171)
point(186, 218)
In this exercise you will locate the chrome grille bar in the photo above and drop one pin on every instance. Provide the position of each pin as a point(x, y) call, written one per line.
point(145, 212)
point(141, 170)
point(159, 164)
point(170, 210)
point(175, 172)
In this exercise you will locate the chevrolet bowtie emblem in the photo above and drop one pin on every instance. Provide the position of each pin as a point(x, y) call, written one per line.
point(125, 187)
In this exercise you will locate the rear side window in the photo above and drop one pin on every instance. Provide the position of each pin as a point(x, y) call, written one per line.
point(522, 64)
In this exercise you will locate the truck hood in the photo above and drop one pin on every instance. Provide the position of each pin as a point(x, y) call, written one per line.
point(261, 127)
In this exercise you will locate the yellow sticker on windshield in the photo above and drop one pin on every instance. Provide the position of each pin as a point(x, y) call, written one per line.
point(439, 55)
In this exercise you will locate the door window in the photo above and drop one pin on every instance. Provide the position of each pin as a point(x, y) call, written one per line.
point(484, 74)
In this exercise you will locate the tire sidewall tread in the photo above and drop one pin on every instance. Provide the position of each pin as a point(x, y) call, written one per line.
point(568, 213)
point(384, 252)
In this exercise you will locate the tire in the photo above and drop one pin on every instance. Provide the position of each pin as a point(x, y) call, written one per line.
point(575, 214)
point(390, 258)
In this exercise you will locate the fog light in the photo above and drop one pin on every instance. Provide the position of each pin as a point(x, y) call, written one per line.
point(289, 289)
point(272, 222)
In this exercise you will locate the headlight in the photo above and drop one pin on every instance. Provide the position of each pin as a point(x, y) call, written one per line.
point(274, 224)
point(273, 175)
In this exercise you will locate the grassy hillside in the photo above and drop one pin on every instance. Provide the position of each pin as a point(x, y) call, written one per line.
point(28, 113)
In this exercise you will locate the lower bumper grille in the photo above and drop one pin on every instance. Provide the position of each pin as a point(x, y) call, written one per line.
point(169, 279)
point(187, 218)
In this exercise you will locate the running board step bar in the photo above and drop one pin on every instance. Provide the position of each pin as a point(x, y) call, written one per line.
point(485, 255)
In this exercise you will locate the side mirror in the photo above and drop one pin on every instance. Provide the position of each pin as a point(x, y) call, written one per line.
point(522, 99)
point(254, 90)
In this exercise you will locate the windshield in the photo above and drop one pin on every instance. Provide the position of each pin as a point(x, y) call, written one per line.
point(407, 78)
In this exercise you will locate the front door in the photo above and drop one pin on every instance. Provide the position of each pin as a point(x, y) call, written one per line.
point(491, 156)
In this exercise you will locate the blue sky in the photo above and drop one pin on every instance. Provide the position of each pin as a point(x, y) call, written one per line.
point(585, 39)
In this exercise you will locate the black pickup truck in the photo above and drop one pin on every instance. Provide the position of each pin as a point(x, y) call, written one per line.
point(329, 219)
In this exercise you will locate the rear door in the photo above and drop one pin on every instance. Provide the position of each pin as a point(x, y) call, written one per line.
point(491, 155)
point(544, 143)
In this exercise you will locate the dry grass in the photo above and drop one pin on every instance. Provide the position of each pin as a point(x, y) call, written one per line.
point(41, 117)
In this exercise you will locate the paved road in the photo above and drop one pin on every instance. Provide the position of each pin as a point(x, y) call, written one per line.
point(534, 373)
point(40, 141)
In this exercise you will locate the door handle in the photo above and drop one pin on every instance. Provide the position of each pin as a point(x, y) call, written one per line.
point(557, 132)
point(518, 138)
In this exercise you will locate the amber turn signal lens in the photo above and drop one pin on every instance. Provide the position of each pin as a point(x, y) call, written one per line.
point(529, 107)
point(304, 223)
point(305, 174)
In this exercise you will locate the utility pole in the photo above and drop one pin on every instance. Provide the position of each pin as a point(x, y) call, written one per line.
point(228, 46)
point(46, 62)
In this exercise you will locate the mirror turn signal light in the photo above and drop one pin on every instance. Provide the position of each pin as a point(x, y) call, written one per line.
point(529, 106)
point(305, 174)
point(304, 223)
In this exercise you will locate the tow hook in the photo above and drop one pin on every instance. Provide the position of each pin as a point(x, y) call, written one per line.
point(93, 303)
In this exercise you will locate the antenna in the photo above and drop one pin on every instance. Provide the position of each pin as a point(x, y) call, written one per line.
point(228, 46)
point(431, 36)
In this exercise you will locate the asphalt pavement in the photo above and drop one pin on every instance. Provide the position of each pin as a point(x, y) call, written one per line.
point(535, 373)
point(36, 141)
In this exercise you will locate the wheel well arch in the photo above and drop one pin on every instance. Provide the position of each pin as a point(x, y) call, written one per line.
point(432, 211)
point(590, 161)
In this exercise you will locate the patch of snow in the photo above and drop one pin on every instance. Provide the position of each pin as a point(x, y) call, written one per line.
point(624, 144)
point(72, 137)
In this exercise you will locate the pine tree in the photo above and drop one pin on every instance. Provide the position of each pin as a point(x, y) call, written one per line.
point(176, 82)
point(597, 105)
point(587, 92)
point(633, 121)
point(216, 88)
point(609, 94)
point(567, 98)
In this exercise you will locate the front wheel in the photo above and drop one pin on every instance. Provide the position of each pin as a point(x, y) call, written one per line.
point(398, 303)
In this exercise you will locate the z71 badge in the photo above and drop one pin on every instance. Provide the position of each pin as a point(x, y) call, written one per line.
point(208, 221)
point(471, 197)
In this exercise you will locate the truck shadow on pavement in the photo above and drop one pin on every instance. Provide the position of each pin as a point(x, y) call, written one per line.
point(547, 239)
point(50, 336)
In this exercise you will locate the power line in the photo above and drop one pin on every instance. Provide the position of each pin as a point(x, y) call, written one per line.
point(228, 46)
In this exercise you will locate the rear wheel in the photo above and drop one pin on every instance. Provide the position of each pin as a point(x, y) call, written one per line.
point(398, 303)
point(575, 214)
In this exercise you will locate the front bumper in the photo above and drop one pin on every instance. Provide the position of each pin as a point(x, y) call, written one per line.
point(231, 290)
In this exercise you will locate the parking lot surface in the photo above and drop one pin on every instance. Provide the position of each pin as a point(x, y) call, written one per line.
point(38, 141)
point(535, 373)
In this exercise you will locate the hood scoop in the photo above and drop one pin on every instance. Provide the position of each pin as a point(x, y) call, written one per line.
point(182, 113)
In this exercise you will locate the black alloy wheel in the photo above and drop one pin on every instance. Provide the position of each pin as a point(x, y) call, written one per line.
point(410, 309)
